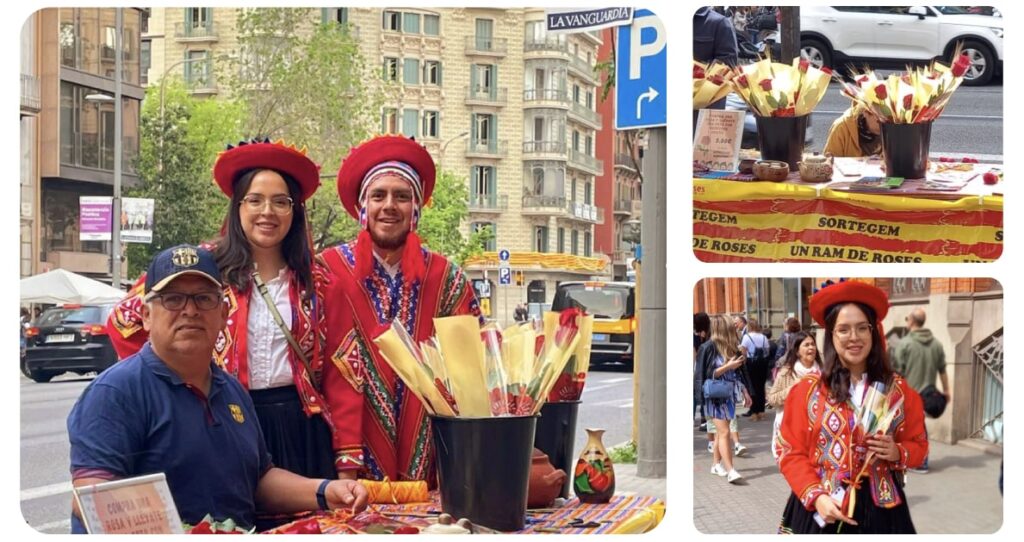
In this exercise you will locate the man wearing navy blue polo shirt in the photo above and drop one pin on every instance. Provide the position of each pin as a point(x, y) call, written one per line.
point(170, 409)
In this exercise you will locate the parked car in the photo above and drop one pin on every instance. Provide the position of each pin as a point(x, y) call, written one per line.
point(894, 36)
point(68, 338)
point(613, 306)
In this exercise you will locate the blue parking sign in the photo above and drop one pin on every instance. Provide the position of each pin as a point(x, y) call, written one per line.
point(504, 275)
point(640, 73)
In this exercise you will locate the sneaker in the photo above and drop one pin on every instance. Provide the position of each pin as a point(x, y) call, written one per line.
point(919, 470)
point(711, 447)
point(719, 470)
point(739, 449)
point(734, 476)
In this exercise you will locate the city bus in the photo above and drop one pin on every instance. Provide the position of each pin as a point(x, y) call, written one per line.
point(613, 306)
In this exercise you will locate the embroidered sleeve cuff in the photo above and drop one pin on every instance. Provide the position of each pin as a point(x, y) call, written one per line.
point(901, 464)
point(348, 459)
point(810, 495)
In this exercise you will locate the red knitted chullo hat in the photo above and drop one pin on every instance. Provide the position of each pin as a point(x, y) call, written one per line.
point(354, 168)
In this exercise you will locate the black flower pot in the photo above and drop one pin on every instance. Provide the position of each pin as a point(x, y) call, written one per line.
point(782, 138)
point(905, 149)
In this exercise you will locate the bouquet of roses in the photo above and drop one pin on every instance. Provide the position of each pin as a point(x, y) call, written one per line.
point(711, 82)
point(915, 96)
point(773, 89)
point(208, 525)
point(874, 416)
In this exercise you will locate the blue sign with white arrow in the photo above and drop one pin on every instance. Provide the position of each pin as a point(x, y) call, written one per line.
point(641, 63)
point(503, 255)
point(504, 275)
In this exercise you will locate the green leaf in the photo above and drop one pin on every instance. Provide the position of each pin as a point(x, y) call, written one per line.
point(583, 484)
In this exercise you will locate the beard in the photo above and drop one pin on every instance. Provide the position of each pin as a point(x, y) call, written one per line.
point(392, 242)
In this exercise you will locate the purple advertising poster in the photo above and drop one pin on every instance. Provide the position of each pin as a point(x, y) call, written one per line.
point(94, 217)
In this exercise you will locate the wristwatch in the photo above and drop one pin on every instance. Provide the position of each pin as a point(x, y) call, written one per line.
point(321, 495)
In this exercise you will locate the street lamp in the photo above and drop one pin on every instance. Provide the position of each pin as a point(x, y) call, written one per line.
point(445, 145)
point(163, 129)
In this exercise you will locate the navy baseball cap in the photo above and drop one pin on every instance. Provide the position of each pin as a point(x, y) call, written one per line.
point(181, 260)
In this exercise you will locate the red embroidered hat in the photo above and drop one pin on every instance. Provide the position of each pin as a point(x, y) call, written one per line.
point(848, 291)
point(376, 151)
point(278, 156)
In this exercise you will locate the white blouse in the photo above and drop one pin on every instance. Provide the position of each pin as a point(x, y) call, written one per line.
point(268, 349)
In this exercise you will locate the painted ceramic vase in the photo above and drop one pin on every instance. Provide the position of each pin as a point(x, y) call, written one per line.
point(593, 478)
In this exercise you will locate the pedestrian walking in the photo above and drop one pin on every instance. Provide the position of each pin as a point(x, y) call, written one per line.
point(819, 455)
point(719, 359)
point(798, 363)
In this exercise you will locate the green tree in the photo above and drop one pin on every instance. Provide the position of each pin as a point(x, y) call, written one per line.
point(439, 226)
point(305, 82)
point(177, 149)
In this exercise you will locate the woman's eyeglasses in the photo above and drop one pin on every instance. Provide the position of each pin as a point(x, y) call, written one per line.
point(174, 301)
point(845, 332)
point(279, 205)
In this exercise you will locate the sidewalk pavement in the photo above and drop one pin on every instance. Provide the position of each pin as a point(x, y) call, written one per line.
point(626, 480)
point(959, 495)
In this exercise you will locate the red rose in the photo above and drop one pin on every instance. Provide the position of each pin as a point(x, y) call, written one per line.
point(202, 528)
point(960, 66)
point(969, 160)
point(803, 65)
point(827, 70)
point(406, 529)
point(908, 101)
point(716, 79)
point(881, 92)
point(945, 159)
point(698, 72)
point(990, 177)
point(742, 80)
point(862, 79)
point(766, 84)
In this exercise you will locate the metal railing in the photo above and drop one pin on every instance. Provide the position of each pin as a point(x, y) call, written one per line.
point(186, 30)
point(585, 160)
point(495, 96)
point(488, 202)
point(586, 114)
point(554, 46)
point(487, 45)
point(545, 95)
point(582, 68)
point(543, 147)
point(624, 206)
point(556, 204)
point(487, 148)
point(583, 211)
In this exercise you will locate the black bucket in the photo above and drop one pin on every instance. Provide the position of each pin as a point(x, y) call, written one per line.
point(483, 467)
point(782, 139)
point(556, 437)
point(905, 149)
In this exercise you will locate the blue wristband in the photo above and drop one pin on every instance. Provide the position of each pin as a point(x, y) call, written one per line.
point(321, 497)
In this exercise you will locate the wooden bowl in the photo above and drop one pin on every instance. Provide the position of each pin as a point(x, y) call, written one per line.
point(771, 170)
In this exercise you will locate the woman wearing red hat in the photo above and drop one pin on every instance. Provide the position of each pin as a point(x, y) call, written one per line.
point(819, 454)
point(386, 276)
point(271, 342)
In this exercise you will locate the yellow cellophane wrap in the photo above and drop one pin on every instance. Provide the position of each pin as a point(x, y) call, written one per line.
point(405, 365)
point(463, 353)
point(388, 492)
point(584, 345)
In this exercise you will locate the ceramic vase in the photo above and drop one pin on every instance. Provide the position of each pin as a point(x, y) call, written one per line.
point(593, 478)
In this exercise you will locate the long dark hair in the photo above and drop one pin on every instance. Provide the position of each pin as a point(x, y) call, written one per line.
point(834, 375)
point(793, 354)
point(232, 249)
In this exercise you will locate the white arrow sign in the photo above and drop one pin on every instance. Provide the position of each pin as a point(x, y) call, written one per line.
point(650, 95)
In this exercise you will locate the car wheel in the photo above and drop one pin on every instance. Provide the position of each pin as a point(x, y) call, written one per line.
point(983, 63)
point(816, 52)
point(41, 376)
point(24, 367)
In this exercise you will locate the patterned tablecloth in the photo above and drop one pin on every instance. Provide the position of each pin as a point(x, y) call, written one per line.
point(623, 514)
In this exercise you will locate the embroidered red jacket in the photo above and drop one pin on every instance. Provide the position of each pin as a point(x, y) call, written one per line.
point(818, 462)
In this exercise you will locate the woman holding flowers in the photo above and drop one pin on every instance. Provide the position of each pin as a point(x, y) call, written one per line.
point(843, 464)
point(721, 359)
point(801, 360)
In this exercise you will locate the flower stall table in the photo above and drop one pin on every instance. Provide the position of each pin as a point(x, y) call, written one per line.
point(738, 219)
point(623, 514)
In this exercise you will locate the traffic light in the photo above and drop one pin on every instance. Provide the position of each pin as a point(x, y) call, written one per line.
point(519, 278)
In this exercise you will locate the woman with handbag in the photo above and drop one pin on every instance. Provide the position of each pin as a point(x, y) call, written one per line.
point(270, 343)
point(842, 480)
point(801, 360)
point(720, 360)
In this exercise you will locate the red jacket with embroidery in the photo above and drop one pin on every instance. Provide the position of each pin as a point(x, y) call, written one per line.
point(817, 462)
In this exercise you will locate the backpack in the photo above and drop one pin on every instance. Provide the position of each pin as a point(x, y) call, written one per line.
point(761, 355)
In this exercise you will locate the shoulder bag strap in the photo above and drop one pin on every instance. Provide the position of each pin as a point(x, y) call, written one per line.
point(262, 288)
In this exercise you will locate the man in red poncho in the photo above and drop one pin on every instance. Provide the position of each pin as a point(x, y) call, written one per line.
point(383, 276)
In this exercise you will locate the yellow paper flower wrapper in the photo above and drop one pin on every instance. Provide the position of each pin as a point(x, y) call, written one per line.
point(773, 89)
point(463, 354)
point(711, 83)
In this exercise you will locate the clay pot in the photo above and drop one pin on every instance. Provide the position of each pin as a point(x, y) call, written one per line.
point(545, 481)
point(816, 168)
point(594, 477)
point(747, 165)
point(771, 170)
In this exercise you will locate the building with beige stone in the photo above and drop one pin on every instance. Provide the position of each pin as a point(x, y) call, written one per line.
point(493, 96)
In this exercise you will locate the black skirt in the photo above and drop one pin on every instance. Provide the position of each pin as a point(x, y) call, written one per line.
point(870, 518)
point(296, 442)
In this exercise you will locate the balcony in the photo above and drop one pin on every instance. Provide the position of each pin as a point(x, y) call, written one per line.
point(580, 113)
point(494, 97)
point(486, 148)
point(585, 212)
point(559, 47)
point(624, 207)
point(30, 101)
point(546, 97)
point(486, 46)
point(583, 70)
point(586, 163)
point(625, 161)
point(544, 205)
point(185, 32)
point(488, 203)
point(554, 150)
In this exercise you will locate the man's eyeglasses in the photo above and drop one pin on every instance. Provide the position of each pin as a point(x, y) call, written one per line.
point(174, 301)
point(844, 333)
point(279, 205)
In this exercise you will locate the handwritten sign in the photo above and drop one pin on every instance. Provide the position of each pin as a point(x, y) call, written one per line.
point(141, 505)
point(716, 144)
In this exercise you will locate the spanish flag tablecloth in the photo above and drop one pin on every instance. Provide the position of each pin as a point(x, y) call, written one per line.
point(764, 221)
